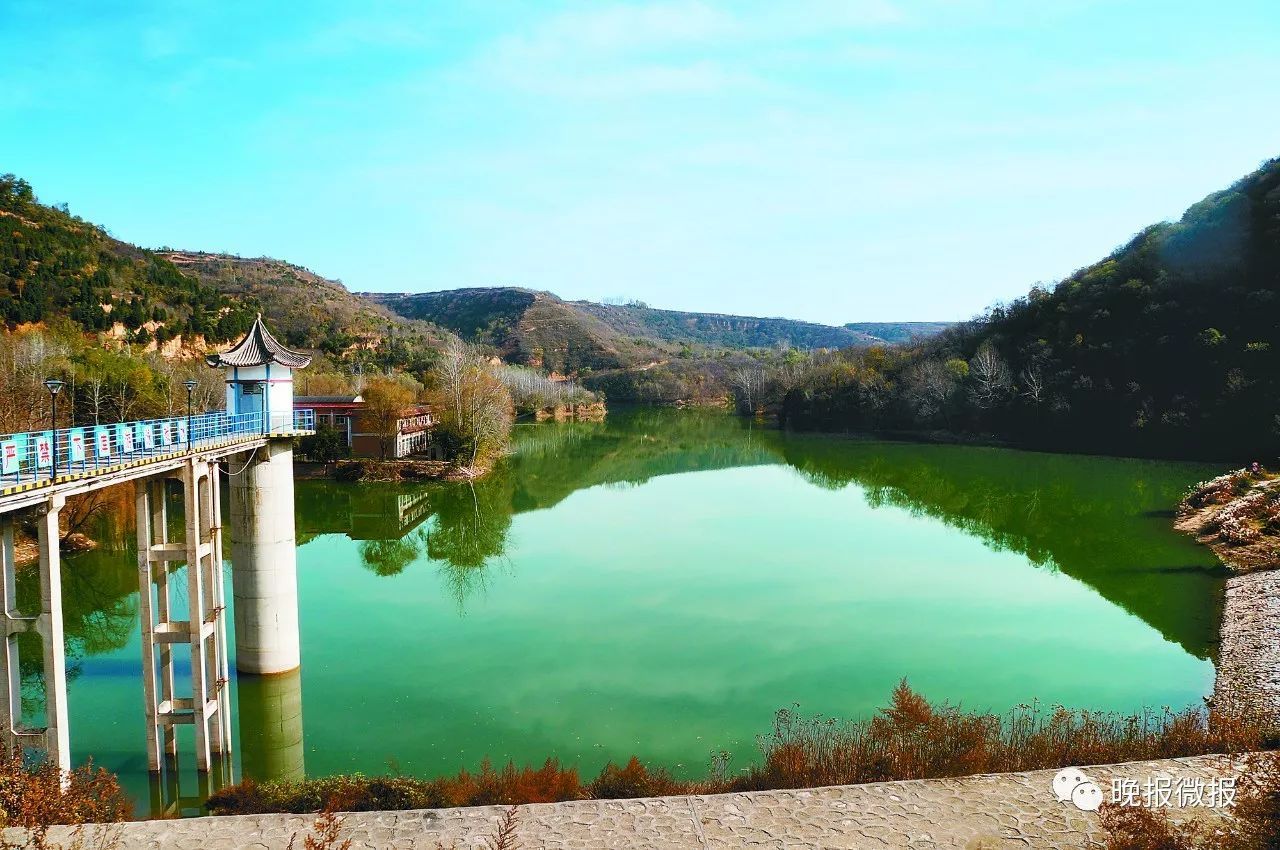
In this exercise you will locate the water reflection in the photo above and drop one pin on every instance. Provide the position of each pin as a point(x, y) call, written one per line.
point(1103, 521)
point(1100, 520)
point(398, 548)
point(270, 714)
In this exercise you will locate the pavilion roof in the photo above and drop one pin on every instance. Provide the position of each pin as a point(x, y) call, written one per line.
point(257, 348)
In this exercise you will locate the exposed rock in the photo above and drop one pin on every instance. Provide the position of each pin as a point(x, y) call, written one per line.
point(404, 470)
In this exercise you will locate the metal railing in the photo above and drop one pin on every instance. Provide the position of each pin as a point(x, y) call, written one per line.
point(77, 451)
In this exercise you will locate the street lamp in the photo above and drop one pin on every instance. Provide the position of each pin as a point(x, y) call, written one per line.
point(53, 385)
point(191, 388)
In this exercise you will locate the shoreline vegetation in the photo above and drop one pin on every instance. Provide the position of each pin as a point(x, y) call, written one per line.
point(1158, 350)
point(580, 412)
point(910, 738)
point(404, 469)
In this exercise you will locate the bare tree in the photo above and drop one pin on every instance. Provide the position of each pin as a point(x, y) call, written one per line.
point(455, 361)
point(1032, 381)
point(930, 385)
point(532, 391)
point(488, 413)
point(747, 383)
point(990, 376)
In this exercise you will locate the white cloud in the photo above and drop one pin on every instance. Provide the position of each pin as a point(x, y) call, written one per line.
point(670, 46)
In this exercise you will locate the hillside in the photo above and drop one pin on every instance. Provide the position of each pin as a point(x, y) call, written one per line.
point(1170, 345)
point(540, 329)
point(54, 264)
point(719, 330)
point(897, 333)
point(306, 310)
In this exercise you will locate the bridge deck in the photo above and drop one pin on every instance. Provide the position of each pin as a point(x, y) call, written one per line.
point(92, 457)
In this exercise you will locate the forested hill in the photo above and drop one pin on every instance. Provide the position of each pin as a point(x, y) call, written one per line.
point(55, 264)
point(1170, 345)
point(313, 312)
point(540, 329)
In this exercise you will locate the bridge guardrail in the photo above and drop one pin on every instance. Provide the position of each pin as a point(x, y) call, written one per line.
point(33, 456)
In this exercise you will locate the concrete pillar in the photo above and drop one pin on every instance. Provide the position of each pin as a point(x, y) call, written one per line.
point(264, 574)
point(207, 708)
point(49, 625)
point(270, 711)
point(12, 733)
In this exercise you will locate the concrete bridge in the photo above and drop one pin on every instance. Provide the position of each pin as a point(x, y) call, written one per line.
point(248, 444)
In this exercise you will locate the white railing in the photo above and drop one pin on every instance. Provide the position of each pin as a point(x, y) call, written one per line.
point(36, 456)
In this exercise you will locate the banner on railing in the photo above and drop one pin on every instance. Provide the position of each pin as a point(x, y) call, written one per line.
point(44, 451)
point(91, 448)
point(102, 441)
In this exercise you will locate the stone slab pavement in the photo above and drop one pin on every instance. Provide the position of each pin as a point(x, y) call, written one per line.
point(1248, 667)
point(989, 812)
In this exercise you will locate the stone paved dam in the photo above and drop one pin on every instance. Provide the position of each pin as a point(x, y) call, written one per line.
point(990, 812)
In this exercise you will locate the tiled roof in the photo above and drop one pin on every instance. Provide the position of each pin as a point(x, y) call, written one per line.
point(258, 348)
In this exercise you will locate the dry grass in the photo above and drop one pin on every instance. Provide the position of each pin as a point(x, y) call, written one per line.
point(908, 739)
point(35, 797)
point(913, 739)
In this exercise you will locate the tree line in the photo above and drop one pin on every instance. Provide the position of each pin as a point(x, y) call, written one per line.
point(102, 383)
point(1166, 347)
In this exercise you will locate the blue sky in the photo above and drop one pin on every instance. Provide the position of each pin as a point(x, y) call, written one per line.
point(832, 160)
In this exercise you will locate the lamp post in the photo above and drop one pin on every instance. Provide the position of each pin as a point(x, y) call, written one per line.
point(191, 388)
point(53, 385)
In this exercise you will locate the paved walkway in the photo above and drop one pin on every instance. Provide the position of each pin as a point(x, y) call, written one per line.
point(1013, 810)
point(1249, 657)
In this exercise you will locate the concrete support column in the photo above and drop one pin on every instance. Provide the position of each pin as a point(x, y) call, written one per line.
point(54, 738)
point(264, 573)
point(152, 527)
point(49, 626)
point(207, 708)
point(12, 733)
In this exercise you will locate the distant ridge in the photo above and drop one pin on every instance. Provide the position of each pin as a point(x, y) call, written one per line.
point(541, 329)
point(900, 332)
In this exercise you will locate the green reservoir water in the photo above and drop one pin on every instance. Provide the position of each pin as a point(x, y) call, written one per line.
point(661, 583)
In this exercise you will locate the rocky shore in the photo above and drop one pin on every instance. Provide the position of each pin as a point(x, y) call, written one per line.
point(404, 470)
point(594, 412)
point(1237, 515)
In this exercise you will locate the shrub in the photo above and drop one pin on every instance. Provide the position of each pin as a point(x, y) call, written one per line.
point(35, 797)
point(910, 738)
point(634, 780)
point(326, 445)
